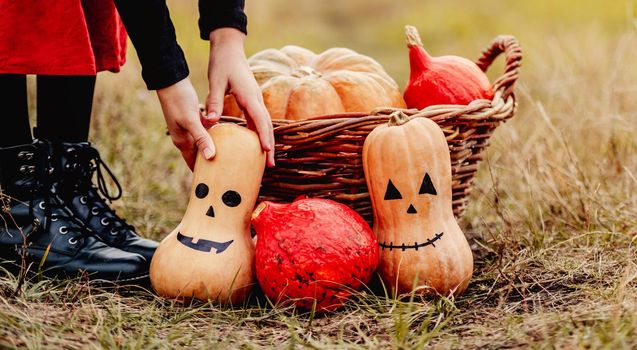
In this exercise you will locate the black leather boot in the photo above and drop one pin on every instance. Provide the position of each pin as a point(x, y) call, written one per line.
point(39, 233)
point(77, 163)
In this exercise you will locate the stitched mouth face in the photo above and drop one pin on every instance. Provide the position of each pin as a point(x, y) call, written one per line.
point(415, 246)
point(203, 245)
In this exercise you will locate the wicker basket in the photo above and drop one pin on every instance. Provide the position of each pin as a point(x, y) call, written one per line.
point(321, 157)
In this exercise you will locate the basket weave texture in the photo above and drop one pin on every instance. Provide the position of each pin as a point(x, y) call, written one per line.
point(322, 157)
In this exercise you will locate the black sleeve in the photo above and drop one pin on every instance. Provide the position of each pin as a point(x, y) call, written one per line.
point(152, 32)
point(214, 14)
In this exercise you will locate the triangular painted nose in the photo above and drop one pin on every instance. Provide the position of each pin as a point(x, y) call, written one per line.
point(211, 212)
point(412, 210)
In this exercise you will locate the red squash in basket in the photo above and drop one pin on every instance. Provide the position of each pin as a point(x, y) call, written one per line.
point(312, 250)
point(442, 80)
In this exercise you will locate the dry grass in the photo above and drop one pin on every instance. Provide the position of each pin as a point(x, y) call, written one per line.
point(553, 219)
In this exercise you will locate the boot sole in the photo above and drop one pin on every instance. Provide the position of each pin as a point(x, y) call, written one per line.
point(51, 273)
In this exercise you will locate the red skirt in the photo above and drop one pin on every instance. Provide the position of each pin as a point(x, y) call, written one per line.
point(60, 37)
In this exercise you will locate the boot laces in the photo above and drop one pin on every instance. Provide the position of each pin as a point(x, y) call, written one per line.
point(54, 210)
point(87, 163)
point(42, 197)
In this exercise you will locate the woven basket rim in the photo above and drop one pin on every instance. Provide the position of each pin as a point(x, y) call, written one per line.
point(503, 92)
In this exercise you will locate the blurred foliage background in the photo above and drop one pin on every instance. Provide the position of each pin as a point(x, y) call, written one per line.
point(375, 28)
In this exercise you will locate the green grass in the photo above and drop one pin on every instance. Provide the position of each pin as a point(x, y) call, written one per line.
point(552, 220)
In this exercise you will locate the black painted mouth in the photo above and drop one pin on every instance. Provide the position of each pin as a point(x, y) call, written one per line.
point(203, 245)
point(415, 246)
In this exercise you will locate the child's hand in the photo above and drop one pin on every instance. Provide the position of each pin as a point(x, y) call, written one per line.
point(228, 70)
point(183, 118)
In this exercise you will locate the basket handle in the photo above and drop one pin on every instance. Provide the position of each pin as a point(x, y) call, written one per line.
point(510, 46)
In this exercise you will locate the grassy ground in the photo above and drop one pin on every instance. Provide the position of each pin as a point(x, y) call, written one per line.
point(553, 217)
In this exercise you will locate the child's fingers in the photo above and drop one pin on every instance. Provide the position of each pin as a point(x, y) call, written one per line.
point(206, 122)
point(270, 153)
point(184, 142)
point(189, 157)
point(270, 162)
point(203, 141)
point(262, 123)
point(261, 120)
point(214, 101)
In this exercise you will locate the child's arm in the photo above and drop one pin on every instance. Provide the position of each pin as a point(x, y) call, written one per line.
point(224, 24)
point(164, 69)
point(228, 71)
point(215, 14)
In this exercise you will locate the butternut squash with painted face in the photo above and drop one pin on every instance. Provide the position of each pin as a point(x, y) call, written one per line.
point(408, 172)
point(210, 255)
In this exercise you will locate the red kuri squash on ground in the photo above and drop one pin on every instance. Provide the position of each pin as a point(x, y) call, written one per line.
point(312, 250)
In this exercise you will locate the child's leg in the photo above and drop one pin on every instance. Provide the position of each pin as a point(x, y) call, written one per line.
point(14, 115)
point(64, 114)
point(64, 107)
point(29, 173)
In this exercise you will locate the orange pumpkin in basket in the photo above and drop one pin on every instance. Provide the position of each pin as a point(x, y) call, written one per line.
point(299, 84)
point(408, 172)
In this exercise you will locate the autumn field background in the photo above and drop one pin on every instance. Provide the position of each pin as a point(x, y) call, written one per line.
point(553, 218)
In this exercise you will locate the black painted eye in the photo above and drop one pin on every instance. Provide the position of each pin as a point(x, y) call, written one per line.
point(392, 192)
point(201, 191)
point(427, 187)
point(231, 198)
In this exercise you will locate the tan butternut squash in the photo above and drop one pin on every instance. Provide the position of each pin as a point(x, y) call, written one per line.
point(408, 172)
point(210, 255)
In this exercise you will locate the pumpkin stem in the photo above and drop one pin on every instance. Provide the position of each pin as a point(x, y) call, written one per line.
point(419, 58)
point(258, 210)
point(398, 118)
point(413, 38)
point(305, 71)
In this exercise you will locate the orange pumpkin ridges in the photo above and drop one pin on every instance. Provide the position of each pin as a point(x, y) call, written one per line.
point(408, 172)
point(442, 80)
point(210, 255)
point(298, 84)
